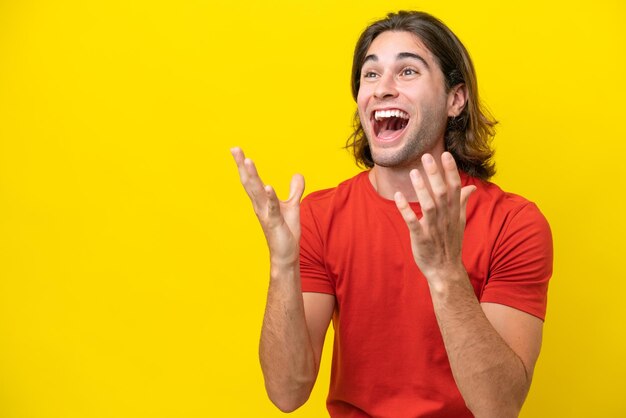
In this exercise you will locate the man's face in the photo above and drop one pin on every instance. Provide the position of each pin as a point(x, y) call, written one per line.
point(402, 102)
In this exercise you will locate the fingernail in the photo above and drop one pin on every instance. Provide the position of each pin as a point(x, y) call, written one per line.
point(427, 159)
point(446, 156)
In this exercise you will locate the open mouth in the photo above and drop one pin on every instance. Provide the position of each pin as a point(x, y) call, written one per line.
point(389, 124)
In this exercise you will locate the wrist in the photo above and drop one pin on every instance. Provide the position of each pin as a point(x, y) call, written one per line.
point(284, 256)
point(281, 265)
point(285, 274)
point(440, 279)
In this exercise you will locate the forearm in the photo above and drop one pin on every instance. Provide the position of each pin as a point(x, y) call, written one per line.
point(490, 376)
point(285, 350)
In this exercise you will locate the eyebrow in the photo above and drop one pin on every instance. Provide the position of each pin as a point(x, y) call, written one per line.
point(400, 56)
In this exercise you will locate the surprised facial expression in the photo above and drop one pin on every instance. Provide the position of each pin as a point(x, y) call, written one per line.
point(402, 100)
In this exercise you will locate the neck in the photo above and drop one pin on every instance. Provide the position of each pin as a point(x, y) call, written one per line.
point(389, 180)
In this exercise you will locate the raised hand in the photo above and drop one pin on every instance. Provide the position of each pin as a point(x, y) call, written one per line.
point(280, 220)
point(436, 238)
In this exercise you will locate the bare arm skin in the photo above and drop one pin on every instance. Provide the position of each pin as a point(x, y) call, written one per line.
point(294, 325)
point(492, 348)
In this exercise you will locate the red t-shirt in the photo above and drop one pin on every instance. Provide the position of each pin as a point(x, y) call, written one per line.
point(389, 359)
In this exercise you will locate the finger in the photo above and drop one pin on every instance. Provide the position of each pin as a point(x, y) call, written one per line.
point(274, 216)
point(239, 158)
point(429, 208)
point(453, 180)
point(466, 192)
point(296, 188)
point(437, 184)
point(407, 213)
point(292, 212)
point(237, 154)
point(253, 185)
point(249, 176)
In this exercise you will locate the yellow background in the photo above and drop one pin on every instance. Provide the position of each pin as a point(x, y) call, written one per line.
point(132, 271)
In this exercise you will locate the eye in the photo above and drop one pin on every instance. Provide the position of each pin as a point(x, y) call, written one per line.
point(408, 72)
point(369, 74)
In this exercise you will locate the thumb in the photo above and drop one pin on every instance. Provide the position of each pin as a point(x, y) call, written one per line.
point(296, 188)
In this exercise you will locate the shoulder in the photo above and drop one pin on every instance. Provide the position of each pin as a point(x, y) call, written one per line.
point(490, 193)
point(513, 221)
point(506, 223)
point(321, 200)
point(491, 202)
point(319, 208)
point(518, 245)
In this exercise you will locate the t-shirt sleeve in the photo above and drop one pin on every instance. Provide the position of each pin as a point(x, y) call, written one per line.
point(521, 263)
point(313, 274)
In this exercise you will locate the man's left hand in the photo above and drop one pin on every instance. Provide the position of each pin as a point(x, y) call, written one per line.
point(437, 237)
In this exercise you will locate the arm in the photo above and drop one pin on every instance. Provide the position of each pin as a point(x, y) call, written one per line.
point(294, 325)
point(492, 348)
point(292, 338)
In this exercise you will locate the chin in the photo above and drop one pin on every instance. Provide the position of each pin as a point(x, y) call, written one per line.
point(394, 158)
point(407, 153)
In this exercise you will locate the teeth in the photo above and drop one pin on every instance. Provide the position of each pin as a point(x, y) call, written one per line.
point(380, 114)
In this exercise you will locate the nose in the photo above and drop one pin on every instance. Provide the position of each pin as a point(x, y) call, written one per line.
point(386, 87)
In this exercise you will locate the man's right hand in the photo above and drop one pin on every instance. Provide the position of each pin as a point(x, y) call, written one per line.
point(280, 219)
point(295, 323)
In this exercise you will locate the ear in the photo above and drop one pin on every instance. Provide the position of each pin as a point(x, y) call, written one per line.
point(457, 99)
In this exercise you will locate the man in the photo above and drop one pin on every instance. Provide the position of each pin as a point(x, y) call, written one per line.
point(437, 298)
